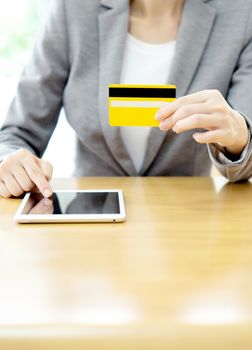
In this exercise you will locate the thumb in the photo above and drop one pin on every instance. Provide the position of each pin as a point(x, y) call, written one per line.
point(46, 168)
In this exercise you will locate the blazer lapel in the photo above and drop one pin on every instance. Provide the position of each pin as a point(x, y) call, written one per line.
point(113, 28)
point(196, 25)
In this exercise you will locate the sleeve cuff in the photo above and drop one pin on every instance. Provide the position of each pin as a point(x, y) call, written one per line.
point(222, 158)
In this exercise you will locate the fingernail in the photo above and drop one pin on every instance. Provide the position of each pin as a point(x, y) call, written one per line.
point(195, 137)
point(158, 114)
point(161, 126)
point(47, 193)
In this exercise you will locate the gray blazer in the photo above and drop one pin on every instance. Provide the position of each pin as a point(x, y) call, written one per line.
point(80, 52)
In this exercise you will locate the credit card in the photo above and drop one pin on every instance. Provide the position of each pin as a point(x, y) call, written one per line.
point(136, 105)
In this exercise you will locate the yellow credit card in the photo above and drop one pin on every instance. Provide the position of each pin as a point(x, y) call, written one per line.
point(136, 105)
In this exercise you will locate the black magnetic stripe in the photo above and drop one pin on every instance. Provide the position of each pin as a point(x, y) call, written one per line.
point(143, 92)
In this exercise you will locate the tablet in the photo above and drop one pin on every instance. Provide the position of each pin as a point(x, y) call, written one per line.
point(72, 206)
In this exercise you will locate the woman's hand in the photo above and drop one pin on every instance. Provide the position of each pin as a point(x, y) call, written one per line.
point(206, 110)
point(23, 172)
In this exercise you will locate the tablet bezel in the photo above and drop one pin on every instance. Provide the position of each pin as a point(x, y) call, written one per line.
point(72, 218)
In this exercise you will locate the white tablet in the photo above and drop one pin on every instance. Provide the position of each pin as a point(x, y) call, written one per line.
point(72, 206)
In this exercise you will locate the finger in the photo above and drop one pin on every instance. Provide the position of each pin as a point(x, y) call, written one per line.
point(196, 97)
point(22, 178)
point(172, 107)
point(46, 168)
point(45, 206)
point(37, 176)
point(12, 186)
point(4, 191)
point(182, 113)
point(214, 136)
point(198, 121)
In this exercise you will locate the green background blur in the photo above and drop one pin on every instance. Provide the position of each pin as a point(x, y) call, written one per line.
point(20, 22)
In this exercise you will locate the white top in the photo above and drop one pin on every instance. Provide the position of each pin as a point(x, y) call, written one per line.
point(143, 63)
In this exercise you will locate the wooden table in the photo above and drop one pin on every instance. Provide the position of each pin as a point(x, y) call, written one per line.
point(177, 275)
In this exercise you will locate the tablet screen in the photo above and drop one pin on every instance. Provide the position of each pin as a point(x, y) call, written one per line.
point(73, 203)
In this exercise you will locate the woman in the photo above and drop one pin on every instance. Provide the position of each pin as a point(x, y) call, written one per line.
point(203, 47)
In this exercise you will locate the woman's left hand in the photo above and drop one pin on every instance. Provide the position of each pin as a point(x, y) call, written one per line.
point(206, 110)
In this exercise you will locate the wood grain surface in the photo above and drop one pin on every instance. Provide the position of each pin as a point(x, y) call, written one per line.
point(176, 275)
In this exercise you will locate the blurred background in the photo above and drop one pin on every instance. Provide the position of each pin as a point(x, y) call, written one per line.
point(20, 22)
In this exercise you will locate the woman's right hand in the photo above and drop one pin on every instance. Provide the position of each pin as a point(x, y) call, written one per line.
point(23, 172)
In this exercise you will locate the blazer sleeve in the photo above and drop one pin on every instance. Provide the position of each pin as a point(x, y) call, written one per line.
point(34, 112)
point(240, 98)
